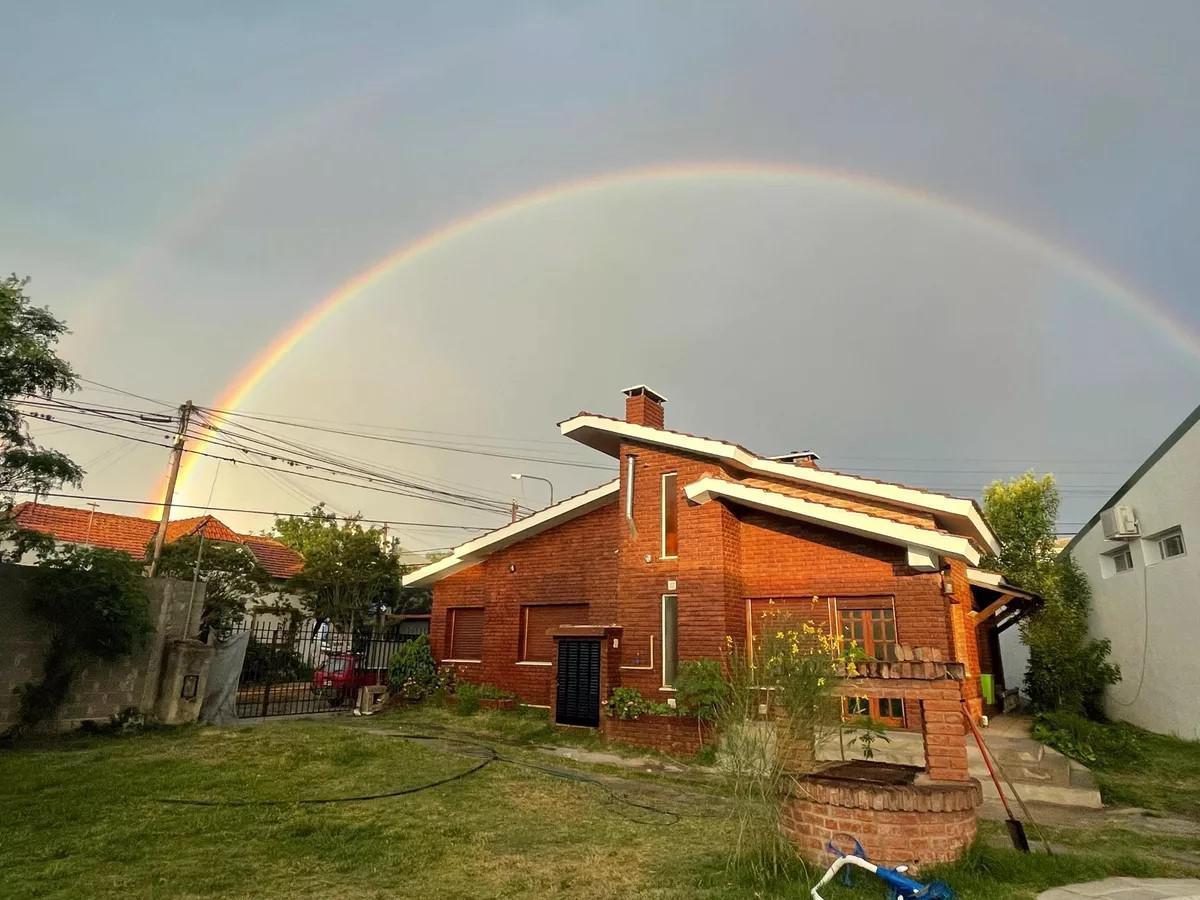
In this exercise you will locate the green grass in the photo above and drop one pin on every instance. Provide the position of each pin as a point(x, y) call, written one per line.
point(83, 816)
point(1166, 777)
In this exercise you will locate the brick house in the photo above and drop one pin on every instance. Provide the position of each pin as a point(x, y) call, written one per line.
point(686, 546)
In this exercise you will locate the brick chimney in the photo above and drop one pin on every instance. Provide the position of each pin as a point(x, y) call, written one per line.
point(804, 458)
point(644, 406)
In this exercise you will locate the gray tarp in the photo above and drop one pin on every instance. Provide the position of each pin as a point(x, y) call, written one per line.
point(220, 695)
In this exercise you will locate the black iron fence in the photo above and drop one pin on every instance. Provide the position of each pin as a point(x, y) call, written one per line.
point(293, 668)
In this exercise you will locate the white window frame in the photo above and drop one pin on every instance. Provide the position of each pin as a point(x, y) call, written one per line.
point(662, 529)
point(630, 464)
point(662, 621)
point(1161, 539)
point(1109, 563)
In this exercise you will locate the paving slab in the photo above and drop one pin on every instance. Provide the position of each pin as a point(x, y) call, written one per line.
point(1128, 889)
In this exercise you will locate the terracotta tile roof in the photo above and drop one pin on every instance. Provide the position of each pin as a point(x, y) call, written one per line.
point(132, 534)
point(79, 526)
point(278, 559)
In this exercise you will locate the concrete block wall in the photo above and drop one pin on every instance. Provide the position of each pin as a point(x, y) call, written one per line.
point(101, 689)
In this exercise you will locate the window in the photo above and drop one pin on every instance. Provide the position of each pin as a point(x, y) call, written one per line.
point(464, 633)
point(670, 638)
point(537, 619)
point(630, 463)
point(670, 517)
point(1122, 559)
point(871, 624)
point(1171, 544)
point(888, 710)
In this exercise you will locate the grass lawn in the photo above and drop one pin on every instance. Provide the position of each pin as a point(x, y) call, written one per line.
point(83, 817)
point(1165, 779)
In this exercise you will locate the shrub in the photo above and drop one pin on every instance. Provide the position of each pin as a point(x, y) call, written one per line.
point(700, 689)
point(412, 672)
point(277, 663)
point(468, 699)
point(627, 703)
point(1098, 744)
point(492, 692)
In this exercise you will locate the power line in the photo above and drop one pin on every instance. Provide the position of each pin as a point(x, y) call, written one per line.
point(254, 512)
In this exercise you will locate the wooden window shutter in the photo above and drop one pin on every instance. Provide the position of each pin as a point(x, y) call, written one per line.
point(536, 620)
point(466, 633)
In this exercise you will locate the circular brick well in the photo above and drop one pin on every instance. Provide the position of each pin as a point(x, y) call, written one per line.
point(914, 823)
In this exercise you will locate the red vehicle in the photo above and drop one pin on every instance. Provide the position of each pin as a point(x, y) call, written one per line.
point(341, 675)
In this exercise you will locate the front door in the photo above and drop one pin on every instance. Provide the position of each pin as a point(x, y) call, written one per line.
point(578, 682)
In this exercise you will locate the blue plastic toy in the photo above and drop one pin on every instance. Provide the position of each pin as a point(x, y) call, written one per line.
point(899, 885)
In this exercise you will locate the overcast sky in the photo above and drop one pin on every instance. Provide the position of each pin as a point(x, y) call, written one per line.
point(183, 181)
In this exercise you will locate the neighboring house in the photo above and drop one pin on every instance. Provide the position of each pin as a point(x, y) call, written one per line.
point(690, 545)
point(132, 534)
point(1138, 553)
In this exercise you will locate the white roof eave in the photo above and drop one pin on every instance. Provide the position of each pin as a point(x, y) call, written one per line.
point(604, 434)
point(862, 524)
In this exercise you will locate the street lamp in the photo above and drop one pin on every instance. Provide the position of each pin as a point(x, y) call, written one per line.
point(517, 476)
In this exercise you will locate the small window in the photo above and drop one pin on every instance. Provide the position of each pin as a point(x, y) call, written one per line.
point(886, 710)
point(670, 517)
point(464, 633)
point(1171, 544)
point(670, 638)
point(869, 625)
point(1122, 559)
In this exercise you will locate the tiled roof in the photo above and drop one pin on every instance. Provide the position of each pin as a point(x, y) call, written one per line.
point(280, 560)
point(132, 534)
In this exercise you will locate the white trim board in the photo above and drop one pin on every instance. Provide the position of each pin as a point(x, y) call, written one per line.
point(862, 524)
point(466, 555)
point(960, 514)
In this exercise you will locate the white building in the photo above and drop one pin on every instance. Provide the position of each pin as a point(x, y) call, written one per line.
point(1141, 554)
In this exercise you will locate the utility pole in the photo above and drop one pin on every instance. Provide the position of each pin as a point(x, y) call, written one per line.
point(160, 536)
point(514, 509)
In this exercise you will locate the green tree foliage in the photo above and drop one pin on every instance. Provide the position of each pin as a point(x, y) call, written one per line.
point(233, 578)
point(94, 603)
point(347, 573)
point(1068, 670)
point(29, 366)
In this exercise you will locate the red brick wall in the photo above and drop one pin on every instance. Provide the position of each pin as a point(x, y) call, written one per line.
point(573, 562)
point(672, 735)
point(781, 558)
point(911, 825)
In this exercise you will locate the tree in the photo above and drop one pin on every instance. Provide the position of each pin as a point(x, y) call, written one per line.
point(1067, 669)
point(29, 366)
point(232, 576)
point(347, 574)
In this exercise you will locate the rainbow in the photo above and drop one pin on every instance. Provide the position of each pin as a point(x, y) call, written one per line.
point(1088, 273)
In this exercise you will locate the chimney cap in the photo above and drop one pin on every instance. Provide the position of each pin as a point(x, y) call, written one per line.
point(640, 389)
point(794, 455)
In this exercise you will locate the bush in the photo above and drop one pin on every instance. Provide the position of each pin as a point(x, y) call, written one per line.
point(468, 699)
point(277, 663)
point(700, 689)
point(1100, 745)
point(627, 703)
point(412, 672)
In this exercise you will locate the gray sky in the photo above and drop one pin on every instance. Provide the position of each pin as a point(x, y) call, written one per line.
point(183, 182)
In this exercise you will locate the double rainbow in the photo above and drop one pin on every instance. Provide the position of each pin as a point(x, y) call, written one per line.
point(1107, 284)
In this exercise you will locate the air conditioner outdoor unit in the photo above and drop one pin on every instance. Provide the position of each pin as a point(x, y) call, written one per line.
point(1119, 523)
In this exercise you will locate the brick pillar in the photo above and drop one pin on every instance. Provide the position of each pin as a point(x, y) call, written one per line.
point(945, 736)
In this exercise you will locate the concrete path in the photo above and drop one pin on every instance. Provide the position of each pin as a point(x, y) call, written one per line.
point(1128, 889)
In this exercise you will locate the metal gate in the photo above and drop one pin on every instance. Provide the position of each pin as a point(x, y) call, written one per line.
point(578, 682)
point(293, 668)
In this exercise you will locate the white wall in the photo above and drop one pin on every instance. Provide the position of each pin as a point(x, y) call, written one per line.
point(1165, 591)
